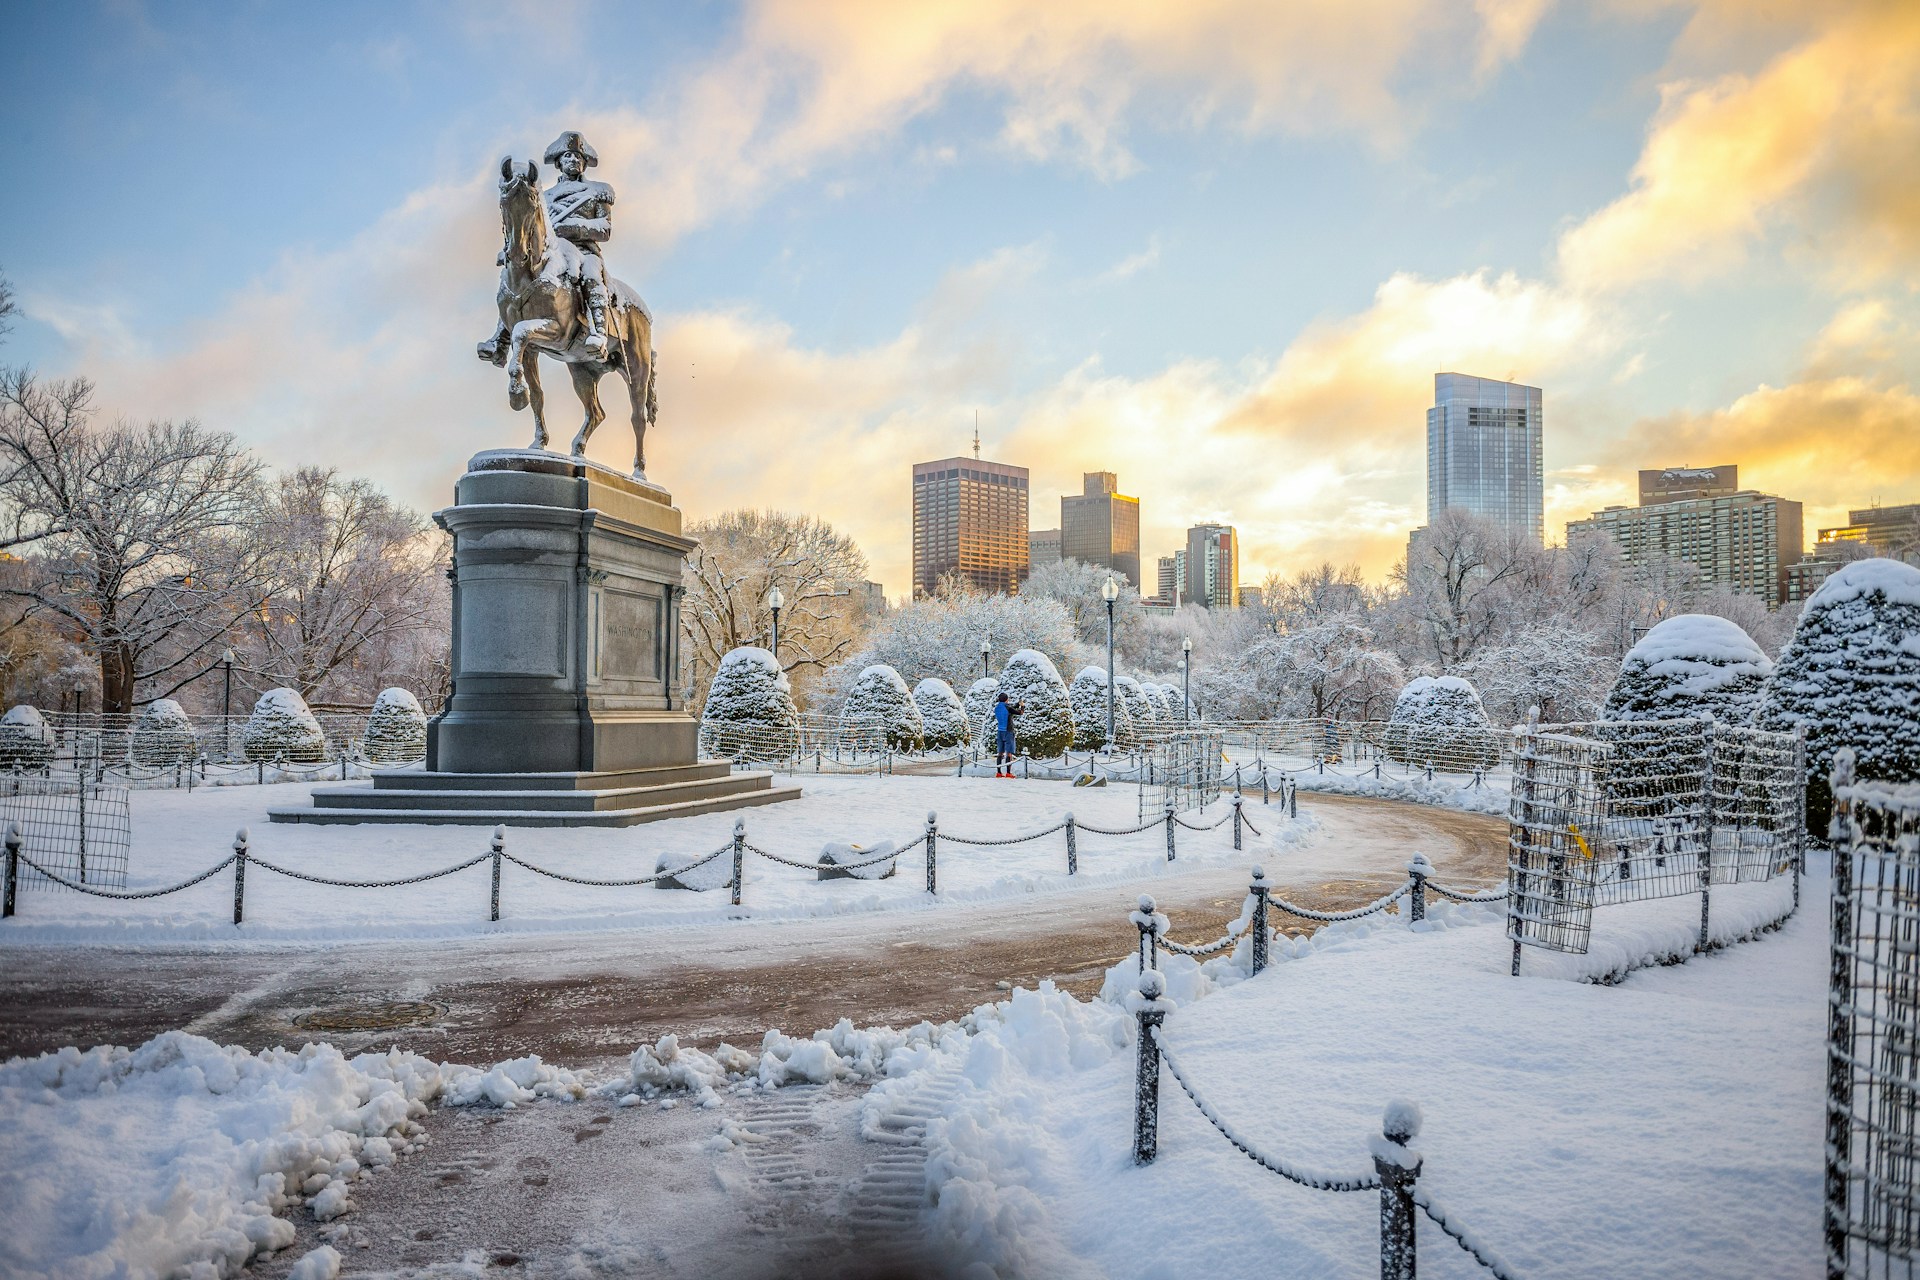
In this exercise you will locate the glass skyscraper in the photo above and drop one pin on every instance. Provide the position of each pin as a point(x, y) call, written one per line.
point(1483, 451)
point(970, 518)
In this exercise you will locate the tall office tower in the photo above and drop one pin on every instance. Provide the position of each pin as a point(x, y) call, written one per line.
point(969, 517)
point(1180, 592)
point(1882, 531)
point(1102, 526)
point(1213, 566)
point(1169, 578)
point(1736, 537)
point(1483, 451)
point(1043, 547)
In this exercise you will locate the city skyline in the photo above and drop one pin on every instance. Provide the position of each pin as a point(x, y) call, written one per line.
point(1084, 228)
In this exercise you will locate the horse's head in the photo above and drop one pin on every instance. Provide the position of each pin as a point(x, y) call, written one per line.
point(523, 214)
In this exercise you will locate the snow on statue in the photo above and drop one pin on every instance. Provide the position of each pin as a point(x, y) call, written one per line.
point(941, 712)
point(1851, 675)
point(750, 712)
point(1045, 728)
point(880, 711)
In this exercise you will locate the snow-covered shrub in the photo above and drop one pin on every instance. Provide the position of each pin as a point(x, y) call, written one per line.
point(879, 709)
point(1140, 714)
point(981, 696)
point(941, 713)
point(1690, 666)
point(1164, 700)
point(396, 728)
point(1087, 698)
point(1044, 727)
point(1440, 719)
point(162, 736)
point(1851, 675)
point(25, 739)
point(749, 712)
point(281, 728)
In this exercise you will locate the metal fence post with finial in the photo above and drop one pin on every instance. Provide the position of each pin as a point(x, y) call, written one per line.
point(1170, 821)
point(239, 875)
point(1399, 1168)
point(1236, 822)
point(1151, 924)
point(1260, 889)
point(499, 844)
point(739, 855)
point(1417, 872)
point(1073, 851)
point(1151, 1011)
point(933, 838)
point(1293, 799)
point(12, 890)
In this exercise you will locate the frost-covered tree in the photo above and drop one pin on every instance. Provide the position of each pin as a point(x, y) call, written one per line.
point(281, 728)
point(1087, 697)
point(1140, 717)
point(941, 712)
point(1687, 667)
point(941, 637)
point(1440, 719)
point(162, 736)
point(25, 739)
point(1851, 675)
point(749, 711)
point(981, 695)
point(396, 728)
point(1560, 670)
point(1044, 727)
point(879, 708)
point(1457, 582)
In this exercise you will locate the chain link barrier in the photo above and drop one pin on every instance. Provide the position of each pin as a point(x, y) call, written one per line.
point(990, 844)
point(125, 894)
point(1334, 917)
point(330, 883)
point(1477, 1249)
point(655, 878)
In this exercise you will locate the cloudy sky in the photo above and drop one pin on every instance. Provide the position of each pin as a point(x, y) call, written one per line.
point(1220, 246)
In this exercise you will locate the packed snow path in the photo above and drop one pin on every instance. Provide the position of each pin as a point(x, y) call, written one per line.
point(586, 997)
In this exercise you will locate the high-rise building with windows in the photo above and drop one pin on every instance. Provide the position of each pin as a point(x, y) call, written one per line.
point(1738, 538)
point(1880, 531)
point(1212, 567)
point(1043, 547)
point(970, 518)
point(1483, 451)
point(1102, 526)
point(1169, 578)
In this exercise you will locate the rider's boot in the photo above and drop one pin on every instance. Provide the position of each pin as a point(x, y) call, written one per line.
point(597, 328)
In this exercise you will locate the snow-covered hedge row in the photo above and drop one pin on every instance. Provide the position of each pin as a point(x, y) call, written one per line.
point(281, 728)
point(396, 728)
point(1087, 699)
point(1044, 727)
point(162, 736)
point(880, 709)
point(942, 716)
point(750, 711)
point(25, 739)
point(1440, 719)
point(979, 703)
point(1690, 666)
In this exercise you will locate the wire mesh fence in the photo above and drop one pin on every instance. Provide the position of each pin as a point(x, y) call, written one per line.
point(79, 829)
point(117, 743)
point(1628, 811)
point(1182, 773)
point(1872, 1218)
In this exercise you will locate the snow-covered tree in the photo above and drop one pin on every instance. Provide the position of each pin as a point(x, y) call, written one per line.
point(25, 739)
point(281, 728)
point(1044, 727)
point(749, 712)
point(981, 695)
point(879, 708)
point(941, 712)
point(1690, 666)
point(162, 736)
point(1851, 675)
point(941, 637)
point(1087, 697)
point(1140, 718)
point(1440, 719)
point(1558, 669)
point(396, 728)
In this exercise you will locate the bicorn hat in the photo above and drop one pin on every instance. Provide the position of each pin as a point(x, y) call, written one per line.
point(571, 140)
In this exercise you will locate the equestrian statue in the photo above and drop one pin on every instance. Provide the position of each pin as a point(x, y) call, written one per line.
point(556, 296)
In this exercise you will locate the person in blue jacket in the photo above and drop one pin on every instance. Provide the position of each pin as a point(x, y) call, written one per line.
point(1003, 714)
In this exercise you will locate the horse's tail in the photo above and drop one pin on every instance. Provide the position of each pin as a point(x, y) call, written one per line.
point(653, 370)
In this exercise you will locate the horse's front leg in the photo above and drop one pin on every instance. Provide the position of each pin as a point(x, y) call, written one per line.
point(537, 398)
point(523, 332)
point(586, 385)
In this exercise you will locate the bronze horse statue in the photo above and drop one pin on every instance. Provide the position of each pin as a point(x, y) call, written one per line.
point(540, 311)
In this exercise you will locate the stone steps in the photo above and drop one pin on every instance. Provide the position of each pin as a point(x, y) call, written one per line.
point(517, 805)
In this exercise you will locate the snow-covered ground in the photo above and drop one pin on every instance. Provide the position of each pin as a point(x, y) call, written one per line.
point(177, 834)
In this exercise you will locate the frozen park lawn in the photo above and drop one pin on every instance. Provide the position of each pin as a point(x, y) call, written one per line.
point(178, 834)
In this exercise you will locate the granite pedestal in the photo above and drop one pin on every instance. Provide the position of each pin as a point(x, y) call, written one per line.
point(566, 632)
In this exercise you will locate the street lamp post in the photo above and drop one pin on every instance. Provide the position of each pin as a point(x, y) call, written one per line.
point(775, 599)
point(986, 658)
point(1186, 678)
point(1110, 591)
point(226, 705)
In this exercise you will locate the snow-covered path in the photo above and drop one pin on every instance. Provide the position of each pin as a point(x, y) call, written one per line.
point(582, 997)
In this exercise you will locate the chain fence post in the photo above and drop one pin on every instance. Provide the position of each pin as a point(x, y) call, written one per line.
point(1260, 889)
point(1073, 851)
point(1236, 822)
point(13, 871)
point(499, 844)
point(239, 875)
point(1376, 771)
point(1320, 762)
point(1399, 1170)
point(1429, 771)
point(1265, 799)
point(1143, 920)
point(1170, 822)
point(933, 837)
point(1152, 1013)
point(1417, 872)
point(1293, 799)
point(739, 855)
